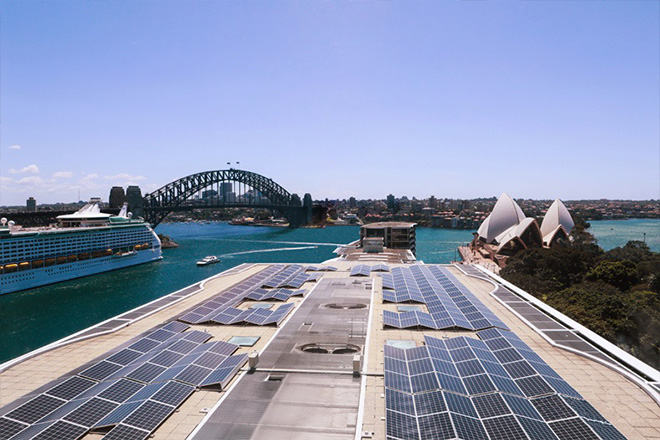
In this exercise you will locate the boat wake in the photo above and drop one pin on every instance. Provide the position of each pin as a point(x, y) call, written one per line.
point(257, 251)
point(286, 242)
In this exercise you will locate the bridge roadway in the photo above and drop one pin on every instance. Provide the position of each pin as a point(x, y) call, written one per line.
point(206, 190)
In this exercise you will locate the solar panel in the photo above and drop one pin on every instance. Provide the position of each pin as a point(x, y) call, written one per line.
point(9, 428)
point(436, 426)
point(425, 403)
point(160, 335)
point(573, 429)
point(605, 430)
point(504, 428)
point(125, 356)
point(71, 388)
point(479, 398)
point(490, 405)
point(101, 370)
point(173, 393)
point(468, 427)
point(121, 390)
point(193, 374)
point(91, 412)
point(146, 372)
point(552, 408)
point(61, 431)
point(166, 358)
point(401, 426)
point(123, 432)
point(149, 415)
point(176, 327)
point(144, 345)
point(35, 409)
point(119, 414)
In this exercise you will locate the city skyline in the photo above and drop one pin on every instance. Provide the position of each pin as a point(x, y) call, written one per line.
point(462, 100)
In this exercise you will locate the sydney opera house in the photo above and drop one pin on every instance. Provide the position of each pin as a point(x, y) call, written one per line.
point(507, 230)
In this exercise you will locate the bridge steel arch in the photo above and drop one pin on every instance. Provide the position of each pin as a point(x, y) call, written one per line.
point(173, 196)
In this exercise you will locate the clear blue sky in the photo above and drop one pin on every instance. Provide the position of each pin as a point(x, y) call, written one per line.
point(336, 98)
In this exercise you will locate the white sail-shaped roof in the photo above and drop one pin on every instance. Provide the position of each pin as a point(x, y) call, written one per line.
point(556, 216)
point(506, 213)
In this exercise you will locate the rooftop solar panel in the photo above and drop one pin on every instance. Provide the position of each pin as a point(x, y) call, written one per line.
point(119, 414)
point(36, 408)
point(123, 432)
point(173, 393)
point(101, 370)
point(121, 390)
point(91, 412)
point(9, 428)
point(61, 431)
point(149, 415)
point(71, 388)
point(479, 398)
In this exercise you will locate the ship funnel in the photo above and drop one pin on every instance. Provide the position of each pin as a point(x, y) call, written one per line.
point(124, 210)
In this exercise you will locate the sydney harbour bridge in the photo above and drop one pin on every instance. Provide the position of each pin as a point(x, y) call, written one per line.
point(231, 188)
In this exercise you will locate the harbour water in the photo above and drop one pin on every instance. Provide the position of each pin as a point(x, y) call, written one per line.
point(614, 233)
point(36, 317)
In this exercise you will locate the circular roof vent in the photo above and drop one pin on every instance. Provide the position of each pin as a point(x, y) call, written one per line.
point(346, 306)
point(330, 348)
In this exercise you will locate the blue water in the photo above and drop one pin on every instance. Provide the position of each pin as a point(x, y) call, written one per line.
point(36, 317)
point(615, 233)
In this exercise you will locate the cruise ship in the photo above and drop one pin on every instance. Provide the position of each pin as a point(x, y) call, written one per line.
point(84, 243)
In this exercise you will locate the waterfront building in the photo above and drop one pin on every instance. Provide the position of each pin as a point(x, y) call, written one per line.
point(557, 224)
point(31, 205)
point(117, 197)
point(507, 230)
point(395, 235)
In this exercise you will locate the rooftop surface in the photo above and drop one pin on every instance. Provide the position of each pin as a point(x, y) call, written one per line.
point(304, 385)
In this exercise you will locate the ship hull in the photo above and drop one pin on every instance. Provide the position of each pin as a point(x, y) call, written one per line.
point(30, 279)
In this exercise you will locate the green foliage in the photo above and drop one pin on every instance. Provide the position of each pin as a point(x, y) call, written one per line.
point(621, 274)
point(614, 293)
point(635, 251)
point(596, 305)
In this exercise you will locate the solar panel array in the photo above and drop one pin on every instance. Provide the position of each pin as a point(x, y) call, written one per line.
point(321, 268)
point(233, 315)
point(491, 388)
point(364, 270)
point(293, 276)
point(212, 307)
point(274, 294)
point(218, 309)
point(136, 388)
point(450, 304)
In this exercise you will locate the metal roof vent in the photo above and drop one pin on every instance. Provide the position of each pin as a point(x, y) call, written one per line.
point(346, 306)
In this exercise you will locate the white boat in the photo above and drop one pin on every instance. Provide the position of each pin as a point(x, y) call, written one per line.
point(208, 260)
point(84, 243)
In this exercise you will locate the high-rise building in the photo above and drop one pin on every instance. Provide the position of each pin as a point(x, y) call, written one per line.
point(433, 202)
point(226, 191)
point(391, 202)
point(117, 197)
point(31, 204)
point(352, 202)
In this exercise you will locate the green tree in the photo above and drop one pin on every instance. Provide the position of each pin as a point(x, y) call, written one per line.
point(621, 274)
point(596, 305)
